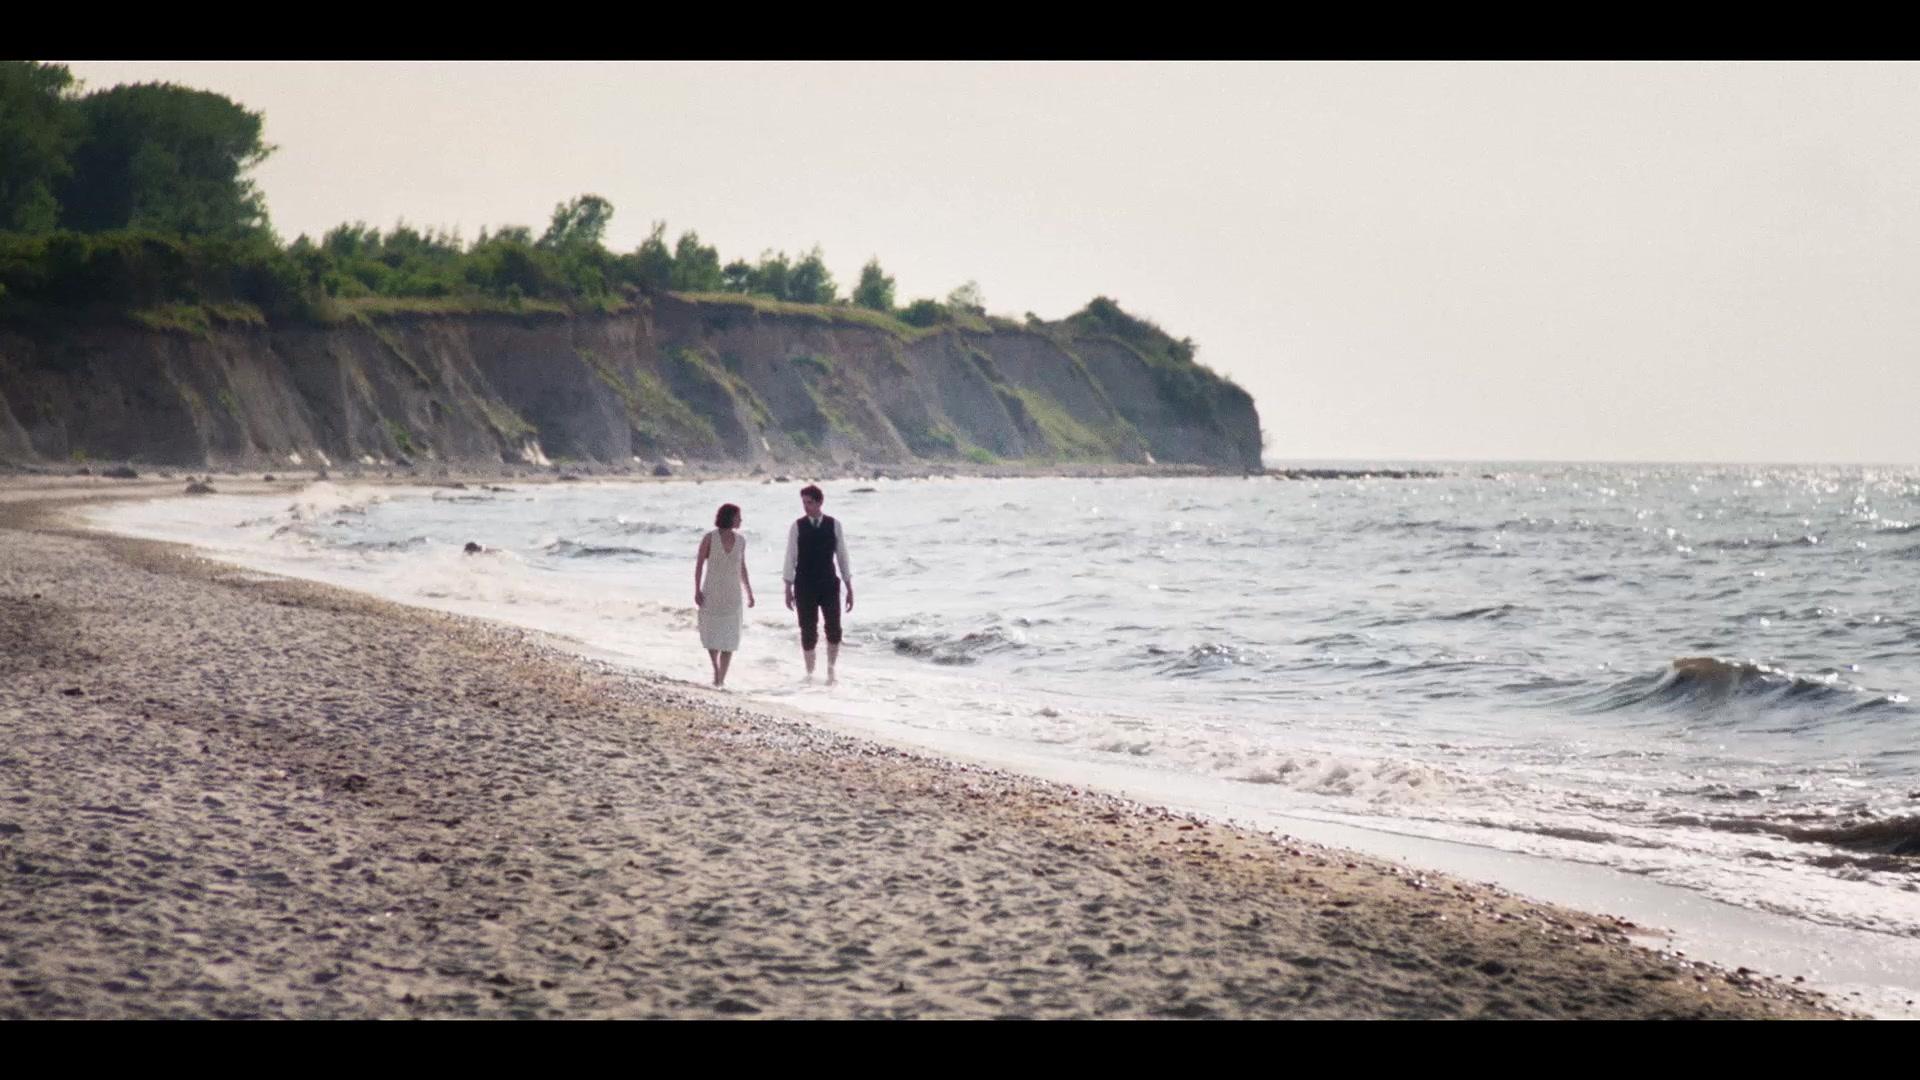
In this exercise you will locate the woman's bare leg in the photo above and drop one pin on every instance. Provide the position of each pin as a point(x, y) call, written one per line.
point(726, 664)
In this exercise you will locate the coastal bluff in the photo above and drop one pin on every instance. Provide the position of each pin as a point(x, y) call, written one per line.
point(690, 376)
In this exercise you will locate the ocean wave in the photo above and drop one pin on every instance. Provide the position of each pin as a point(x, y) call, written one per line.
point(1475, 547)
point(411, 543)
point(1496, 611)
point(1376, 781)
point(1203, 658)
point(1895, 836)
point(1891, 836)
point(323, 499)
point(574, 549)
point(1434, 526)
point(959, 650)
point(1343, 640)
point(1579, 833)
point(1556, 525)
point(1706, 683)
point(1770, 543)
point(631, 527)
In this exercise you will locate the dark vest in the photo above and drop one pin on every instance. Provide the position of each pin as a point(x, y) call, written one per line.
point(814, 566)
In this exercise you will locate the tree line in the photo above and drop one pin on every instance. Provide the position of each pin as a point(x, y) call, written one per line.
point(140, 195)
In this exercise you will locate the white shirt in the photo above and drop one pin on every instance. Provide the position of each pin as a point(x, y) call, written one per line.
point(839, 550)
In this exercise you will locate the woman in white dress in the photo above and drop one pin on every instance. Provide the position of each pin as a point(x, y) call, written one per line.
point(723, 559)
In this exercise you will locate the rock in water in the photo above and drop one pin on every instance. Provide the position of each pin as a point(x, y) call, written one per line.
point(199, 487)
point(121, 472)
point(662, 469)
point(474, 549)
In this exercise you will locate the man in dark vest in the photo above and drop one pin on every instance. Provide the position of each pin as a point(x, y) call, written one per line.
point(815, 546)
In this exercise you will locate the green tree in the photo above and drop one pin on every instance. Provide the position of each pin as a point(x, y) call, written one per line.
point(737, 277)
point(651, 265)
point(422, 263)
point(168, 159)
point(875, 289)
point(581, 223)
point(38, 132)
point(696, 267)
point(508, 265)
point(810, 283)
point(968, 298)
point(353, 241)
point(773, 277)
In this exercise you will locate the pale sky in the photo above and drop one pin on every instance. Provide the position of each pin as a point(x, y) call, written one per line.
point(1680, 262)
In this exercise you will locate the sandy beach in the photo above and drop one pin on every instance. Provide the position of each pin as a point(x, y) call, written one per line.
point(229, 795)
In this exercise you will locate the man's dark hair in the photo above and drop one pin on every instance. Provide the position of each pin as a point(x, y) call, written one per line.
point(728, 517)
point(812, 491)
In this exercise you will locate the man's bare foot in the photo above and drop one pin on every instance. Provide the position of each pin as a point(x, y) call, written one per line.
point(832, 679)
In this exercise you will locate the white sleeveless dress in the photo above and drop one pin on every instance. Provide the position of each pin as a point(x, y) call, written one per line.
point(720, 615)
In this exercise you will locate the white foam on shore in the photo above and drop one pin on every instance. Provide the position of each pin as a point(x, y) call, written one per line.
point(322, 498)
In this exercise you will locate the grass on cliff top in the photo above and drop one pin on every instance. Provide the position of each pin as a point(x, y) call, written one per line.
point(201, 318)
point(380, 306)
point(838, 314)
point(197, 319)
point(854, 315)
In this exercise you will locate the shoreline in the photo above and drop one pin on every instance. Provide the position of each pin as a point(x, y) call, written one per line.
point(700, 471)
point(424, 814)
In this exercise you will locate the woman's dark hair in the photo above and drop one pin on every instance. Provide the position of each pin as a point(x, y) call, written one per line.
point(728, 517)
point(812, 491)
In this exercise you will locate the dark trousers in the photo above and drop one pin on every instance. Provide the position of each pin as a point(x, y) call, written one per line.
point(813, 601)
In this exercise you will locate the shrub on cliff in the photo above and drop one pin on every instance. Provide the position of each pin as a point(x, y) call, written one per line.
point(506, 265)
point(130, 270)
point(924, 313)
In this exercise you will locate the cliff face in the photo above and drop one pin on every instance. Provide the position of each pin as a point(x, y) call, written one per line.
point(673, 376)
